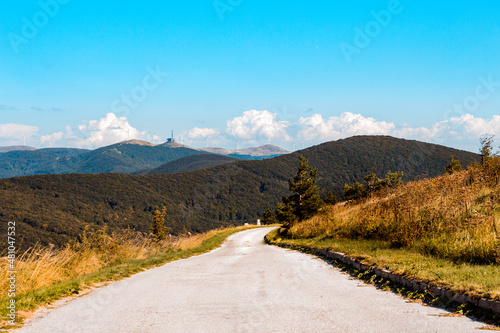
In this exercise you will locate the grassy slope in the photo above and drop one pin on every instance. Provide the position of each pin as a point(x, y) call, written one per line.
point(28, 301)
point(442, 231)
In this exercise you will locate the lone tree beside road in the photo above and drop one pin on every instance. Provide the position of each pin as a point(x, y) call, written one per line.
point(157, 229)
point(305, 200)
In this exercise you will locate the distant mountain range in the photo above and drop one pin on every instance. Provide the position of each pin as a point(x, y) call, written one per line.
point(56, 208)
point(124, 157)
point(257, 153)
point(11, 148)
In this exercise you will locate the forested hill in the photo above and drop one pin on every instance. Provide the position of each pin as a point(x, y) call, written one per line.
point(38, 161)
point(122, 157)
point(56, 208)
point(189, 163)
point(349, 160)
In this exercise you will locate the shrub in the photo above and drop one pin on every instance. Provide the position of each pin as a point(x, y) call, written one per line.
point(373, 185)
point(268, 217)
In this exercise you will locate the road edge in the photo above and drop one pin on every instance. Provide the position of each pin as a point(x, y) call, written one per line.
point(414, 285)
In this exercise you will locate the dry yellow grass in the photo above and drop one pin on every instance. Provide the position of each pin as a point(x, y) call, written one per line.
point(452, 216)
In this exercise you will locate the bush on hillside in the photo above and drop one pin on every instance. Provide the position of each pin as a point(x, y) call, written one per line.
point(453, 166)
point(373, 185)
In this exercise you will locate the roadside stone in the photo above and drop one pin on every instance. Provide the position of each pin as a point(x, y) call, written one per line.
point(485, 303)
point(496, 306)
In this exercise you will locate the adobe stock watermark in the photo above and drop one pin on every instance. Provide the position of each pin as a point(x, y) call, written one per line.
point(363, 36)
point(31, 26)
point(484, 90)
point(11, 271)
point(224, 6)
point(151, 81)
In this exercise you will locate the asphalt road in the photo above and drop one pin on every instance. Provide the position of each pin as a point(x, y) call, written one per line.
point(245, 286)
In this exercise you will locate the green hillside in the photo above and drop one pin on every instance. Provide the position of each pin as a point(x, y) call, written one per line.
point(39, 161)
point(128, 157)
point(55, 208)
point(132, 156)
point(122, 157)
point(188, 163)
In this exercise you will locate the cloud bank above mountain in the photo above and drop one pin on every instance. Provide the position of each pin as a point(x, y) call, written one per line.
point(256, 127)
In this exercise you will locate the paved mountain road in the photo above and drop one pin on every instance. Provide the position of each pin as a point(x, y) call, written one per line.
point(245, 286)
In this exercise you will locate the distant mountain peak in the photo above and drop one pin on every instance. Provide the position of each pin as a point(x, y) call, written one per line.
point(264, 150)
point(137, 142)
point(13, 148)
point(173, 144)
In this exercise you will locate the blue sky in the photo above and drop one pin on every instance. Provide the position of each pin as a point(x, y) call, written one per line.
point(87, 73)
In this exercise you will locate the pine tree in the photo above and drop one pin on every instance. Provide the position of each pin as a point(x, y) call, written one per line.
point(355, 191)
point(268, 217)
point(331, 198)
point(285, 214)
point(305, 200)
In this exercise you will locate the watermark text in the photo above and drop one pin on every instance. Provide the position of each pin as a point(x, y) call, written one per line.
point(363, 36)
point(224, 6)
point(11, 273)
point(31, 26)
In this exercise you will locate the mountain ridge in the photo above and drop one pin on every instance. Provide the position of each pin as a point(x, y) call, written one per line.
point(6, 149)
point(56, 208)
point(122, 157)
point(259, 151)
point(188, 163)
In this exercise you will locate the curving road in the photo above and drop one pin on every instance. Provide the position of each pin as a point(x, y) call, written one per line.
point(245, 286)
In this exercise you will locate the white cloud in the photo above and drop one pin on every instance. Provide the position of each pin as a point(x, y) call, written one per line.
point(463, 129)
point(461, 132)
point(155, 138)
point(423, 133)
point(97, 133)
point(201, 133)
point(347, 124)
point(254, 124)
point(477, 127)
point(108, 130)
point(17, 131)
point(52, 138)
